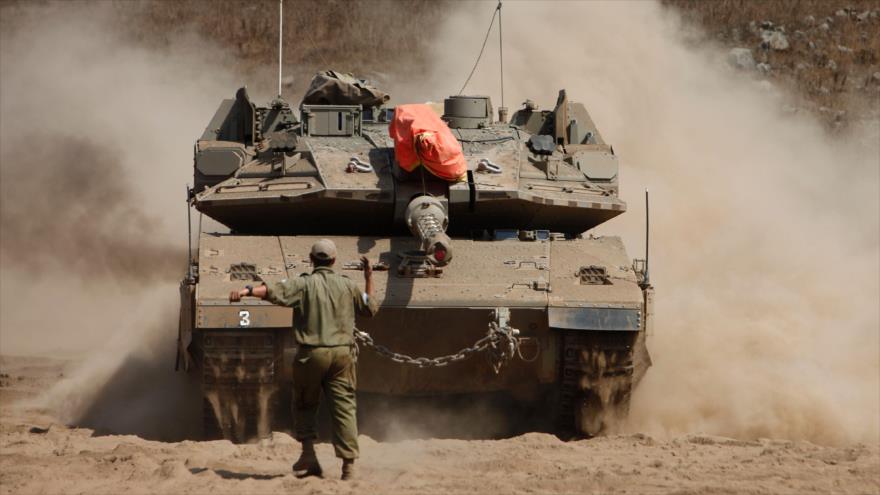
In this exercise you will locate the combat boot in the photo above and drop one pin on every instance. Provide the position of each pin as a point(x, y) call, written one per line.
point(348, 472)
point(307, 464)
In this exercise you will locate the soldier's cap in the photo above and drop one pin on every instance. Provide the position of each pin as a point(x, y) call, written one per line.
point(324, 250)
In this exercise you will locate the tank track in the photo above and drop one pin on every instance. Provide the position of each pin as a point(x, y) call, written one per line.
point(239, 385)
point(597, 370)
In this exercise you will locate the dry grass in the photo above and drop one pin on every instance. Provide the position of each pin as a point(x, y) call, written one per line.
point(370, 38)
point(360, 37)
point(832, 70)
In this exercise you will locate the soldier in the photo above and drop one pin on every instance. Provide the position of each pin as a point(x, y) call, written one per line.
point(324, 306)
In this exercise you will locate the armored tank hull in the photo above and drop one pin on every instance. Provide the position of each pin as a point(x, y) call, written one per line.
point(532, 305)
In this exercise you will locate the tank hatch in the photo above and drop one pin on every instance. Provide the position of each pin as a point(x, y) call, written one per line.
point(467, 112)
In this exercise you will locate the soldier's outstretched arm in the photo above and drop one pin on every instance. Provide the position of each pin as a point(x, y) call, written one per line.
point(363, 301)
point(368, 275)
point(260, 291)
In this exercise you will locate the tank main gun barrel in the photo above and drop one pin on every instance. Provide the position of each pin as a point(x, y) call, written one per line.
point(427, 220)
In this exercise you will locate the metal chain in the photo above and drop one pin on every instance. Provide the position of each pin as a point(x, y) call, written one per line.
point(501, 342)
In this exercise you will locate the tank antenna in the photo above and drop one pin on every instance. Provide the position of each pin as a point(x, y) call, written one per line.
point(189, 235)
point(280, 38)
point(501, 56)
point(496, 12)
point(647, 237)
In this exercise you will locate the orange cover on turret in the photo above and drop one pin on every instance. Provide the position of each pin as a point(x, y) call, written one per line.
point(421, 138)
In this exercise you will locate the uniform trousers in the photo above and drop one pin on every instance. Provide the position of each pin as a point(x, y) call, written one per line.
point(331, 371)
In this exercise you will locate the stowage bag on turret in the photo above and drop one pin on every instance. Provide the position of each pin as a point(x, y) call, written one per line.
point(422, 138)
point(337, 88)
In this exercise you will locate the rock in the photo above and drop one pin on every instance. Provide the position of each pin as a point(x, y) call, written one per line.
point(863, 16)
point(841, 13)
point(832, 65)
point(801, 66)
point(824, 26)
point(640, 436)
point(643, 439)
point(809, 20)
point(876, 77)
point(799, 34)
point(172, 469)
point(811, 45)
point(775, 40)
point(766, 25)
point(741, 58)
point(763, 68)
point(753, 27)
point(735, 35)
point(844, 49)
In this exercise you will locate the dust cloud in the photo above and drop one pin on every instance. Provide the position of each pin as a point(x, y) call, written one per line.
point(96, 138)
point(764, 228)
point(68, 206)
point(764, 240)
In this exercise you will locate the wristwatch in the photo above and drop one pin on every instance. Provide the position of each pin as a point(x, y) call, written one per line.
point(250, 289)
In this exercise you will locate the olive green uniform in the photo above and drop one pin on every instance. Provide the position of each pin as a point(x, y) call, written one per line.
point(324, 306)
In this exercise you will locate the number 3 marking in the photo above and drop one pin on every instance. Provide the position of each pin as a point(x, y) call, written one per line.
point(245, 320)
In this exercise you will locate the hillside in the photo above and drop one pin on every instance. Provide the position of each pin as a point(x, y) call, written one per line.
point(826, 51)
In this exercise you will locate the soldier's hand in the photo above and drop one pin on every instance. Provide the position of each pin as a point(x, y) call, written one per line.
point(368, 268)
point(235, 296)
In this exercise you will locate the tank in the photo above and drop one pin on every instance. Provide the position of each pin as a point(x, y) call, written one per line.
point(500, 265)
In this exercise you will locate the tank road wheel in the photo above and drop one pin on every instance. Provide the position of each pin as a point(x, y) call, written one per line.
point(241, 396)
point(597, 381)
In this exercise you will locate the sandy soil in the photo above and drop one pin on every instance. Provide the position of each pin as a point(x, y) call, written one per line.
point(39, 455)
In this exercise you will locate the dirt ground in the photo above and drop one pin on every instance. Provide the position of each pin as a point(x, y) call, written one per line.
point(39, 455)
